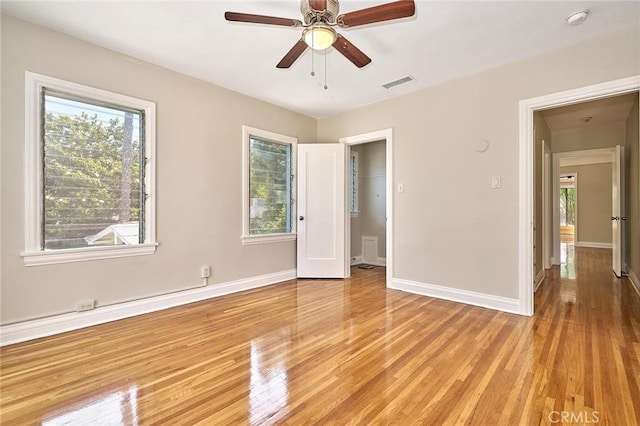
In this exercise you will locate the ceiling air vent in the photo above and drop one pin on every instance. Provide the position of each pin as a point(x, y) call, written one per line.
point(398, 82)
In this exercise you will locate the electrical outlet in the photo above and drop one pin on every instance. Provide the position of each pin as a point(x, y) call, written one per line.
point(205, 272)
point(85, 305)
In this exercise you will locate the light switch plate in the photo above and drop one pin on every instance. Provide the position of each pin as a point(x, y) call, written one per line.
point(496, 182)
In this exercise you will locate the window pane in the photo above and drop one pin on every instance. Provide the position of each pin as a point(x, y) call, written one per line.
point(269, 188)
point(353, 183)
point(92, 174)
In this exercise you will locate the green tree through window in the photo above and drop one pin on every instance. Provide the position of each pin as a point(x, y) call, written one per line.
point(567, 206)
point(269, 187)
point(92, 172)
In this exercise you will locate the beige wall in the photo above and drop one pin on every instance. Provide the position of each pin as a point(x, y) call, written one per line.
point(632, 158)
point(594, 202)
point(199, 160)
point(542, 138)
point(591, 136)
point(371, 220)
point(450, 227)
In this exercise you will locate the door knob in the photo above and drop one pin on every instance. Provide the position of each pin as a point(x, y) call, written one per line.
point(301, 217)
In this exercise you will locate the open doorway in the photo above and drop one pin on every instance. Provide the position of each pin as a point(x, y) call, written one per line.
point(568, 206)
point(367, 200)
point(530, 175)
point(378, 199)
point(588, 141)
point(568, 225)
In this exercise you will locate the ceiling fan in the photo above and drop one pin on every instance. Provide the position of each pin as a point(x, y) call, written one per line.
point(320, 16)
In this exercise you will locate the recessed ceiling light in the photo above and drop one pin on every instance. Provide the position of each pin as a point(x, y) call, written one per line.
point(578, 18)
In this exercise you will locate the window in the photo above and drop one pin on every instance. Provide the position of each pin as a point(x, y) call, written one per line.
point(568, 200)
point(268, 165)
point(89, 173)
point(353, 183)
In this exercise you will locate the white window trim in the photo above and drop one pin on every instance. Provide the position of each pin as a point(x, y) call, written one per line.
point(356, 212)
point(247, 134)
point(33, 253)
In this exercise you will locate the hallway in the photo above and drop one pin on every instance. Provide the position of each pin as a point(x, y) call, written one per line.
point(588, 322)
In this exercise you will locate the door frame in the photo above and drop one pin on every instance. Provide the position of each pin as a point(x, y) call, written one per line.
point(377, 135)
point(526, 171)
point(619, 173)
point(546, 235)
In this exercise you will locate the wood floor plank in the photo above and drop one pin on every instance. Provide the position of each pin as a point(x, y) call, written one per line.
point(344, 352)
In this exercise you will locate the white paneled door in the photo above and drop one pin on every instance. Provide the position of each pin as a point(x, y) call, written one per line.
point(321, 211)
point(617, 211)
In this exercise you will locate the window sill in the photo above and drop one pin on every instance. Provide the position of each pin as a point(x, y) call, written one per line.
point(51, 257)
point(270, 238)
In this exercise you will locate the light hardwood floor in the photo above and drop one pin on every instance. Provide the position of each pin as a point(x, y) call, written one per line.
point(339, 352)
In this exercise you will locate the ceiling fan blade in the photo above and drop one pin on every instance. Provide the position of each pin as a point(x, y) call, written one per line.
point(261, 19)
point(384, 12)
point(351, 52)
point(318, 4)
point(291, 56)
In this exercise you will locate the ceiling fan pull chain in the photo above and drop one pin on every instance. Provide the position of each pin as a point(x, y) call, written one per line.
point(313, 73)
point(325, 72)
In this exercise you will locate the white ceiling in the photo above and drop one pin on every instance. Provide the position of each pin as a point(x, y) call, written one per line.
point(614, 109)
point(444, 41)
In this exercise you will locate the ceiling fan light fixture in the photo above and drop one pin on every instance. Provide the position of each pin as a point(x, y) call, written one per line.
point(319, 36)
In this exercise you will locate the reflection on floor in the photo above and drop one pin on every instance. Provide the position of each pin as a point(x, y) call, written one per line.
point(567, 261)
point(567, 238)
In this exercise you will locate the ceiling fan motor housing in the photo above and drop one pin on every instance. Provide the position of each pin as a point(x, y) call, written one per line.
point(328, 15)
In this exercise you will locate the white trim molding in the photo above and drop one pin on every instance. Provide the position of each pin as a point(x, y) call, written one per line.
point(265, 135)
point(43, 327)
point(268, 238)
point(87, 253)
point(525, 177)
point(33, 253)
point(356, 260)
point(489, 301)
point(593, 244)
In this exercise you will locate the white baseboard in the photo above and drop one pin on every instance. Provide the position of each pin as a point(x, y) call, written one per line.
point(34, 329)
point(382, 261)
point(498, 303)
point(538, 280)
point(555, 261)
point(593, 244)
point(356, 260)
point(635, 282)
